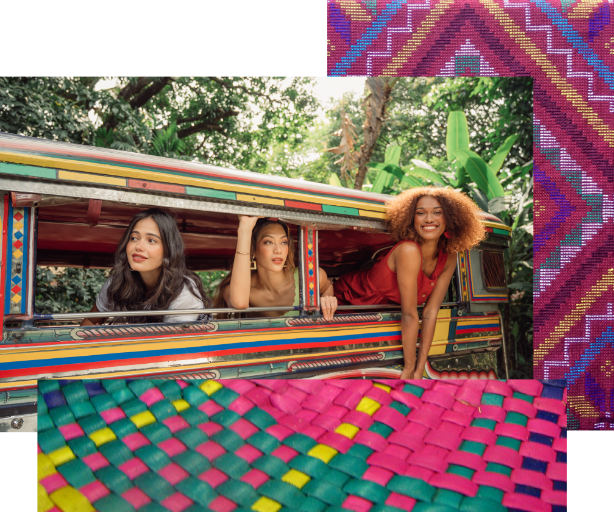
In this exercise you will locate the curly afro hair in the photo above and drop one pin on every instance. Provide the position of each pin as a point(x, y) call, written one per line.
point(461, 214)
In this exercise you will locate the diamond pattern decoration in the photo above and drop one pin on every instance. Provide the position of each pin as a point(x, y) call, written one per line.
point(17, 225)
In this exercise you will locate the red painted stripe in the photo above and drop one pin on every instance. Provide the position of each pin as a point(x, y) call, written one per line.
point(303, 206)
point(152, 185)
point(487, 229)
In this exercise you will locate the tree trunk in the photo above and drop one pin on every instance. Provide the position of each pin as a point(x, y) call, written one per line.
point(375, 106)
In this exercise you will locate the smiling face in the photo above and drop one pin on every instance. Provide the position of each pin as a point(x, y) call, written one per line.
point(145, 250)
point(429, 220)
point(272, 248)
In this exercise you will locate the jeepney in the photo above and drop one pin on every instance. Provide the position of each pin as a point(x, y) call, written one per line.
point(67, 205)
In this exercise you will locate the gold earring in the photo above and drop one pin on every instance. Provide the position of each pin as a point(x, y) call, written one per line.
point(253, 267)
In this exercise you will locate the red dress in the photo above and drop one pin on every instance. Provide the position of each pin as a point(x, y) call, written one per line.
point(378, 284)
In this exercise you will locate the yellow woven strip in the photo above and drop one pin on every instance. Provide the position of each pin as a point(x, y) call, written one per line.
point(103, 436)
point(606, 281)
point(68, 499)
point(368, 405)
point(264, 504)
point(426, 28)
point(62, 455)
point(551, 71)
point(295, 478)
point(348, 430)
point(210, 386)
point(44, 502)
point(382, 386)
point(143, 419)
point(45, 466)
point(181, 405)
point(322, 452)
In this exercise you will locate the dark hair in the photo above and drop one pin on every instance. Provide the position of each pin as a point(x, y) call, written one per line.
point(127, 291)
point(218, 300)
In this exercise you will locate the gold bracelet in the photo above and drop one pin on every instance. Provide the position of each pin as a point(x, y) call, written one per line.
point(239, 252)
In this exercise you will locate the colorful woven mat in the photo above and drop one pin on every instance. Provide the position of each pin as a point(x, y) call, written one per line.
point(303, 445)
point(568, 49)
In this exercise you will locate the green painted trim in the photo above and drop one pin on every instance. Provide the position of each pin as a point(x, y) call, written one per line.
point(500, 232)
point(27, 170)
point(209, 192)
point(340, 210)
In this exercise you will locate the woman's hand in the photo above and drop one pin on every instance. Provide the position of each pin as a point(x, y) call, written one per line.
point(328, 306)
point(247, 223)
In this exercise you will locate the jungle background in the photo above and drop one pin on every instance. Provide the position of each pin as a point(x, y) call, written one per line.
point(395, 135)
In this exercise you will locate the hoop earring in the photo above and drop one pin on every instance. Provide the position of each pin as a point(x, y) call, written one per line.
point(253, 267)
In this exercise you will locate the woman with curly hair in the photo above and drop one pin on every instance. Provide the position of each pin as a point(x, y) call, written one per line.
point(429, 226)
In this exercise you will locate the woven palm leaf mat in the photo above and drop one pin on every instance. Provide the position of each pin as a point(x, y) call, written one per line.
point(305, 445)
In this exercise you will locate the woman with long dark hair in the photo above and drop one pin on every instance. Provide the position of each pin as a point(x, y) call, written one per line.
point(271, 279)
point(429, 226)
point(150, 273)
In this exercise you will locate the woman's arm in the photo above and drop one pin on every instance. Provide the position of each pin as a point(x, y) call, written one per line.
point(431, 310)
point(236, 295)
point(407, 259)
point(92, 321)
point(328, 301)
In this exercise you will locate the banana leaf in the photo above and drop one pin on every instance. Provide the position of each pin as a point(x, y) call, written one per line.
point(501, 154)
point(334, 180)
point(480, 173)
point(457, 135)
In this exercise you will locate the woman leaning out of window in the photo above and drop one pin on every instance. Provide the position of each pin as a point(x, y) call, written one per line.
point(150, 273)
point(264, 274)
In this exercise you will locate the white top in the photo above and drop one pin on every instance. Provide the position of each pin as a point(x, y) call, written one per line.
point(185, 300)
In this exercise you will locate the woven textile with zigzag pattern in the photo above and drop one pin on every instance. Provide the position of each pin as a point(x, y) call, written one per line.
point(568, 49)
point(302, 445)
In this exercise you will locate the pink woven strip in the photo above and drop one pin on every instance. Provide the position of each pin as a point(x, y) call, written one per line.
point(537, 451)
point(387, 462)
point(357, 504)
point(210, 428)
point(176, 502)
point(248, 453)
point(244, 428)
point(470, 395)
point(241, 405)
point(525, 502)
point(498, 387)
point(457, 417)
point(528, 387)
point(432, 462)
point(175, 423)
point(151, 396)
point(111, 415)
point(543, 427)
point(378, 474)
point(173, 473)
point(520, 406)
point(372, 440)
point(408, 399)
point(136, 497)
point(491, 412)
point(94, 491)
point(560, 445)
point(95, 461)
point(222, 504)
point(213, 477)
point(135, 441)
point(557, 471)
point(479, 435)
point(467, 459)
point(284, 453)
point(555, 497)
point(454, 483)
point(211, 450)
point(391, 417)
point(494, 480)
point(133, 468)
point(337, 441)
point(400, 501)
point(71, 431)
point(512, 430)
point(532, 479)
point(172, 446)
point(255, 478)
point(550, 405)
point(503, 455)
point(53, 482)
point(406, 439)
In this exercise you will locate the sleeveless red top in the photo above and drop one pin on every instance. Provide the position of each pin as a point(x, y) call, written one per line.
point(378, 284)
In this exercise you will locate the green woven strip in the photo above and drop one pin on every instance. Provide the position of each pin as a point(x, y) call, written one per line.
point(417, 489)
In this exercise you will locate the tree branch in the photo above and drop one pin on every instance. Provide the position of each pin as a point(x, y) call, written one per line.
point(208, 125)
point(243, 88)
point(134, 88)
point(145, 95)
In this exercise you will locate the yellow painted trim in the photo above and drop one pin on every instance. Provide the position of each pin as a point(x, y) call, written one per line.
point(125, 172)
point(364, 213)
point(490, 224)
point(91, 178)
point(258, 199)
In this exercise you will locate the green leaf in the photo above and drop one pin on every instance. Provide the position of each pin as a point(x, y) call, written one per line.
point(501, 154)
point(480, 199)
point(334, 180)
point(392, 169)
point(480, 173)
point(424, 170)
point(457, 136)
point(411, 181)
point(393, 155)
point(380, 181)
